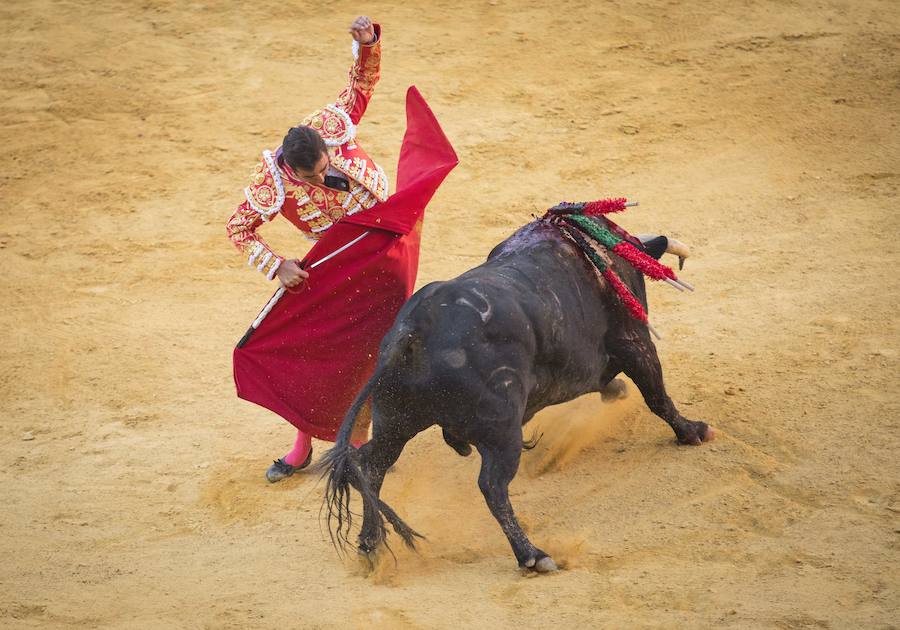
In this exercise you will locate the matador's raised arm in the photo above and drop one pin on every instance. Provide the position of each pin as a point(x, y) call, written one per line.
point(364, 74)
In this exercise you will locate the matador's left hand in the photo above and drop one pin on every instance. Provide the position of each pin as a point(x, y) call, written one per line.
point(363, 30)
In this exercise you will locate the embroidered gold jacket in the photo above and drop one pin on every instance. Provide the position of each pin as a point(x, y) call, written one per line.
point(313, 208)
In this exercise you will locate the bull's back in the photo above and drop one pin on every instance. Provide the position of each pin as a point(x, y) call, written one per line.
point(534, 307)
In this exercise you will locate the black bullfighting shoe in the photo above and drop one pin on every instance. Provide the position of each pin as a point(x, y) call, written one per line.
point(281, 470)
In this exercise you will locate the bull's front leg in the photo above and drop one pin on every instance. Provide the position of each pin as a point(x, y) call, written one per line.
point(639, 361)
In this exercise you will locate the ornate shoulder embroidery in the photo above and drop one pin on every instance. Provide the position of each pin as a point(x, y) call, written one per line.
point(333, 124)
point(265, 194)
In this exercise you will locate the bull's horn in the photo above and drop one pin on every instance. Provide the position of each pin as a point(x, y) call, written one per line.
point(678, 248)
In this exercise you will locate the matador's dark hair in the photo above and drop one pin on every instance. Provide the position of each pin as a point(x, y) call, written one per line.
point(302, 147)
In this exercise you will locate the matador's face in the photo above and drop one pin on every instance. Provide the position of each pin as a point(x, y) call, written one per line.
point(317, 174)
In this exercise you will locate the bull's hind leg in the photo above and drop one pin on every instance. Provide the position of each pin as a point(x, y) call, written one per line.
point(638, 359)
point(376, 457)
point(499, 464)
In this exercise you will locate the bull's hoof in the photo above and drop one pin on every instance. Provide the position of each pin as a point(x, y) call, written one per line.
point(695, 433)
point(544, 564)
point(367, 557)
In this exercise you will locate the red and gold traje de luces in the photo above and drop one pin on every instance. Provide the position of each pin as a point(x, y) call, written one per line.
point(316, 348)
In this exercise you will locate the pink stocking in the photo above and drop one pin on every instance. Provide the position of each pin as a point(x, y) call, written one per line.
point(300, 451)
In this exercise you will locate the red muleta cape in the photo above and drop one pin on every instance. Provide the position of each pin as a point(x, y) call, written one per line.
point(315, 350)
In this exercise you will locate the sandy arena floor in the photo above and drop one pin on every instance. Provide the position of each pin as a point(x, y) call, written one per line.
point(763, 133)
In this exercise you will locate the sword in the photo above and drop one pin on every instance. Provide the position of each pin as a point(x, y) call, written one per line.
point(274, 300)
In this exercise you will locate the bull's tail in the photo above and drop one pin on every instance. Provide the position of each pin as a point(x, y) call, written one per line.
point(341, 466)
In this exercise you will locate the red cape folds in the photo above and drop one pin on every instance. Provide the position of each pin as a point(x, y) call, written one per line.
point(313, 352)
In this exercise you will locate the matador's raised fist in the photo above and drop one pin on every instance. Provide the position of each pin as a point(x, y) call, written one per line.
point(363, 30)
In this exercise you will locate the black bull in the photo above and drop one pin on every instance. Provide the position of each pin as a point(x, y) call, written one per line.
point(479, 355)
